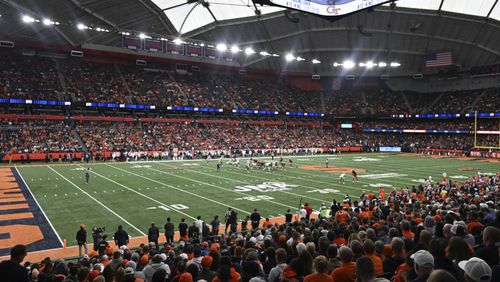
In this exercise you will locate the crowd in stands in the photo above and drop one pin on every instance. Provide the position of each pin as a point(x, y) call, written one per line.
point(93, 82)
point(28, 78)
point(85, 81)
point(437, 231)
point(38, 137)
point(98, 137)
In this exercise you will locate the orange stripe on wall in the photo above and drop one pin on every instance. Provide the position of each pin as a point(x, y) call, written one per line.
point(13, 207)
point(21, 215)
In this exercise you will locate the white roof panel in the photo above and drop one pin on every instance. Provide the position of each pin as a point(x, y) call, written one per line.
point(199, 16)
point(495, 14)
point(475, 8)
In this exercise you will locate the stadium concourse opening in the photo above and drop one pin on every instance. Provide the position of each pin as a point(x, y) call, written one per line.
point(264, 140)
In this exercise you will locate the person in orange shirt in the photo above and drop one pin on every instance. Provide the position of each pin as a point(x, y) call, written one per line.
point(320, 268)
point(342, 216)
point(369, 250)
point(407, 233)
point(381, 194)
point(347, 271)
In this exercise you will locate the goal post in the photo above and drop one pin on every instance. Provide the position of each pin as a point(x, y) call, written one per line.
point(486, 132)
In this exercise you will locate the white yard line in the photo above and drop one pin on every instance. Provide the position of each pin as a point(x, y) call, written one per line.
point(97, 201)
point(33, 196)
point(184, 191)
point(141, 194)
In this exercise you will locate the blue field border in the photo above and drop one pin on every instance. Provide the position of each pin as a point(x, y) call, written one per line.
point(50, 238)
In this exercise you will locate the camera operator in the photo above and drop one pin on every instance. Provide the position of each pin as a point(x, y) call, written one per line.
point(97, 233)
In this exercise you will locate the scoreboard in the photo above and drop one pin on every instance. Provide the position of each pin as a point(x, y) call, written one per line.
point(328, 7)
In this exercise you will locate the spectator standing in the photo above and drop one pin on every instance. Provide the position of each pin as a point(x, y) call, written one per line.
point(169, 231)
point(81, 240)
point(121, 237)
point(183, 229)
point(215, 225)
point(255, 218)
point(153, 234)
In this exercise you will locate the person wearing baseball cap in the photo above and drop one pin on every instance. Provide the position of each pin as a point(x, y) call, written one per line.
point(475, 270)
point(423, 265)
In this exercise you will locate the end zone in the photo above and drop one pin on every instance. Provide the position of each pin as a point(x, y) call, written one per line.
point(22, 221)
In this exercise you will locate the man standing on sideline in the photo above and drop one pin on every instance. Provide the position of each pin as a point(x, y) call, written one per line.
point(199, 224)
point(153, 234)
point(11, 270)
point(226, 219)
point(87, 175)
point(326, 163)
point(121, 237)
point(255, 218)
point(288, 217)
point(81, 239)
point(215, 225)
point(183, 229)
point(169, 231)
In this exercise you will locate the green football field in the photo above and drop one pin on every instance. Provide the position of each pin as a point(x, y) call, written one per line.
point(136, 194)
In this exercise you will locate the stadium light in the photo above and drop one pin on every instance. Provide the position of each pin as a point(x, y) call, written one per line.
point(249, 51)
point(81, 26)
point(28, 19)
point(221, 47)
point(48, 22)
point(315, 61)
point(289, 57)
point(142, 35)
point(125, 33)
point(370, 64)
point(202, 44)
point(178, 41)
point(264, 53)
point(335, 65)
point(382, 64)
point(348, 64)
point(276, 55)
point(395, 64)
point(235, 49)
point(300, 59)
point(362, 64)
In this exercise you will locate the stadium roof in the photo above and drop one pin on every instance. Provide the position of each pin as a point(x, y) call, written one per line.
point(190, 16)
point(404, 33)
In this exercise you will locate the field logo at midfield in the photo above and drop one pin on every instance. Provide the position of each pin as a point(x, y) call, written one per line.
point(141, 166)
point(363, 159)
point(418, 180)
point(265, 187)
point(383, 175)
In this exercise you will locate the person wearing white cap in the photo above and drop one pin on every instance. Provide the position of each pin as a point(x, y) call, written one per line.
point(423, 265)
point(475, 270)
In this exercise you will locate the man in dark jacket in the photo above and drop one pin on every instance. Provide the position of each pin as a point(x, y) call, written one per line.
point(169, 231)
point(183, 229)
point(153, 234)
point(255, 218)
point(121, 237)
point(81, 239)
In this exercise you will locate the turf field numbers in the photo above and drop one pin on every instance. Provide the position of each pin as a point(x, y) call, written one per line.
point(255, 198)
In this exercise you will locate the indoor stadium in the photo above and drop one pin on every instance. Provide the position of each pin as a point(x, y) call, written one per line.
point(249, 140)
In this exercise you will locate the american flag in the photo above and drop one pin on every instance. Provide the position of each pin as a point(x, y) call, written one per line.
point(438, 59)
